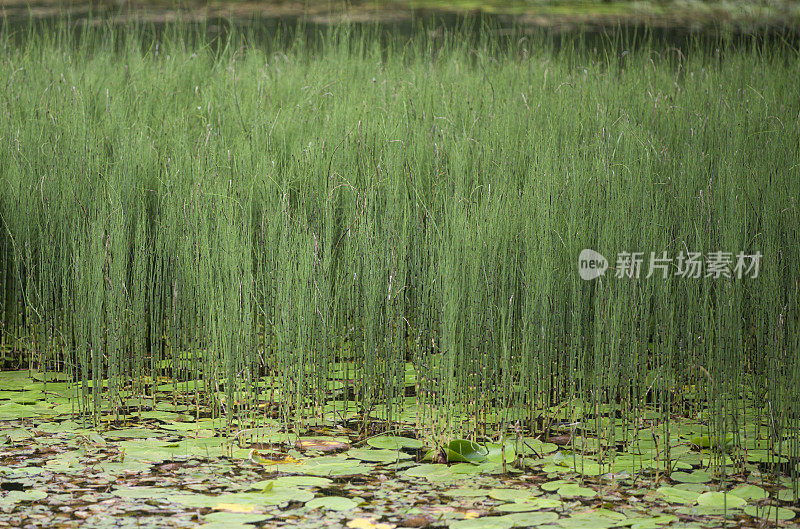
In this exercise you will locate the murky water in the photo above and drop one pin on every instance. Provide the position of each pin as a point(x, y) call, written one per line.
point(599, 26)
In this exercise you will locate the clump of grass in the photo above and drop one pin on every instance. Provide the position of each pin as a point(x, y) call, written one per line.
point(307, 228)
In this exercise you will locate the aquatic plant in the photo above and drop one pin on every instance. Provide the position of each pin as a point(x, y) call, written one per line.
point(365, 228)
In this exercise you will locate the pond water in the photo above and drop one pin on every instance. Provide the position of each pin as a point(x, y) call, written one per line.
point(599, 23)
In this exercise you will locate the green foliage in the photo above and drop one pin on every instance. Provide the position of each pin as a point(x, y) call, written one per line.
point(315, 232)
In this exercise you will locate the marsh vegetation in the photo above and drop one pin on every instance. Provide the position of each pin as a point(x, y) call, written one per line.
point(240, 244)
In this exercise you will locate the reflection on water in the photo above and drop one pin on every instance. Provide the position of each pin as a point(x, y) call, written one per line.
point(599, 24)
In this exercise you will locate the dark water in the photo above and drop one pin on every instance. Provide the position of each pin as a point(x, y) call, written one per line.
point(277, 29)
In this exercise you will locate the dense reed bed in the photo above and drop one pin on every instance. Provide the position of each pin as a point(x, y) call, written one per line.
point(374, 227)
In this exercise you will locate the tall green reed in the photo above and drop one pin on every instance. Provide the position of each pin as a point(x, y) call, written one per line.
point(292, 231)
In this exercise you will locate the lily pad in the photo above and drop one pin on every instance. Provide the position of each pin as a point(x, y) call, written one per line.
point(142, 492)
point(393, 442)
point(675, 495)
point(332, 503)
point(652, 522)
point(593, 519)
point(534, 504)
point(302, 481)
point(769, 512)
point(20, 496)
point(377, 456)
point(698, 476)
point(225, 517)
point(530, 519)
point(464, 450)
point(321, 444)
point(720, 500)
point(573, 490)
point(510, 494)
point(485, 522)
point(749, 492)
point(788, 495)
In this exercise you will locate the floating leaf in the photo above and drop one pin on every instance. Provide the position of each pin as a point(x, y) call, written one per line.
point(552, 486)
point(510, 494)
point(377, 456)
point(225, 525)
point(464, 450)
point(533, 504)
point(143, 492)
point(270, 459)
point(769, 512)
point(572, 490)
point(787, 495)
point(392, 442)
point(227, 517)
point(676, 495)
point(698, 476)
point(485, 522)
point(530, 519)
point(19, 496)
point(705, 441)
point(720, 500)
point(302, 481)
point(652, 522)
point(594, 519)
point(705, 510)
point(329, 466)
point(749, 492)
point(321, 444)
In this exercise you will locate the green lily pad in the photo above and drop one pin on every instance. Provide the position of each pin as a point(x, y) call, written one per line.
point(142, 492)
point(464, 450)
point(573, 490)
point(431, 472)
point(788, 495)
point(676, 495)
point(274, 496)
point(530, 519)
point(20, 496)
point(393, 442)
point(698, 476)
point(468, 468)
point(705, 510)
point(530, 446)
point(749, 492)
point(332, 503)
point(130, 433)
point(12, 411)
point(328, 466)
point(223, 517)
point(652, 522)
point(720, 500)
point(533, 504)
point(705, 441)
point(302, 481)
point(377, 456)
point(510, 494)
point(552, 486)
point(594, 519)
point(485, 522)
point(765, 456)
point(225, 525)
point(769, 512)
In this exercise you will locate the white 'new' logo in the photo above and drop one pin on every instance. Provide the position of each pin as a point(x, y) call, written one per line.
point(591, 264)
